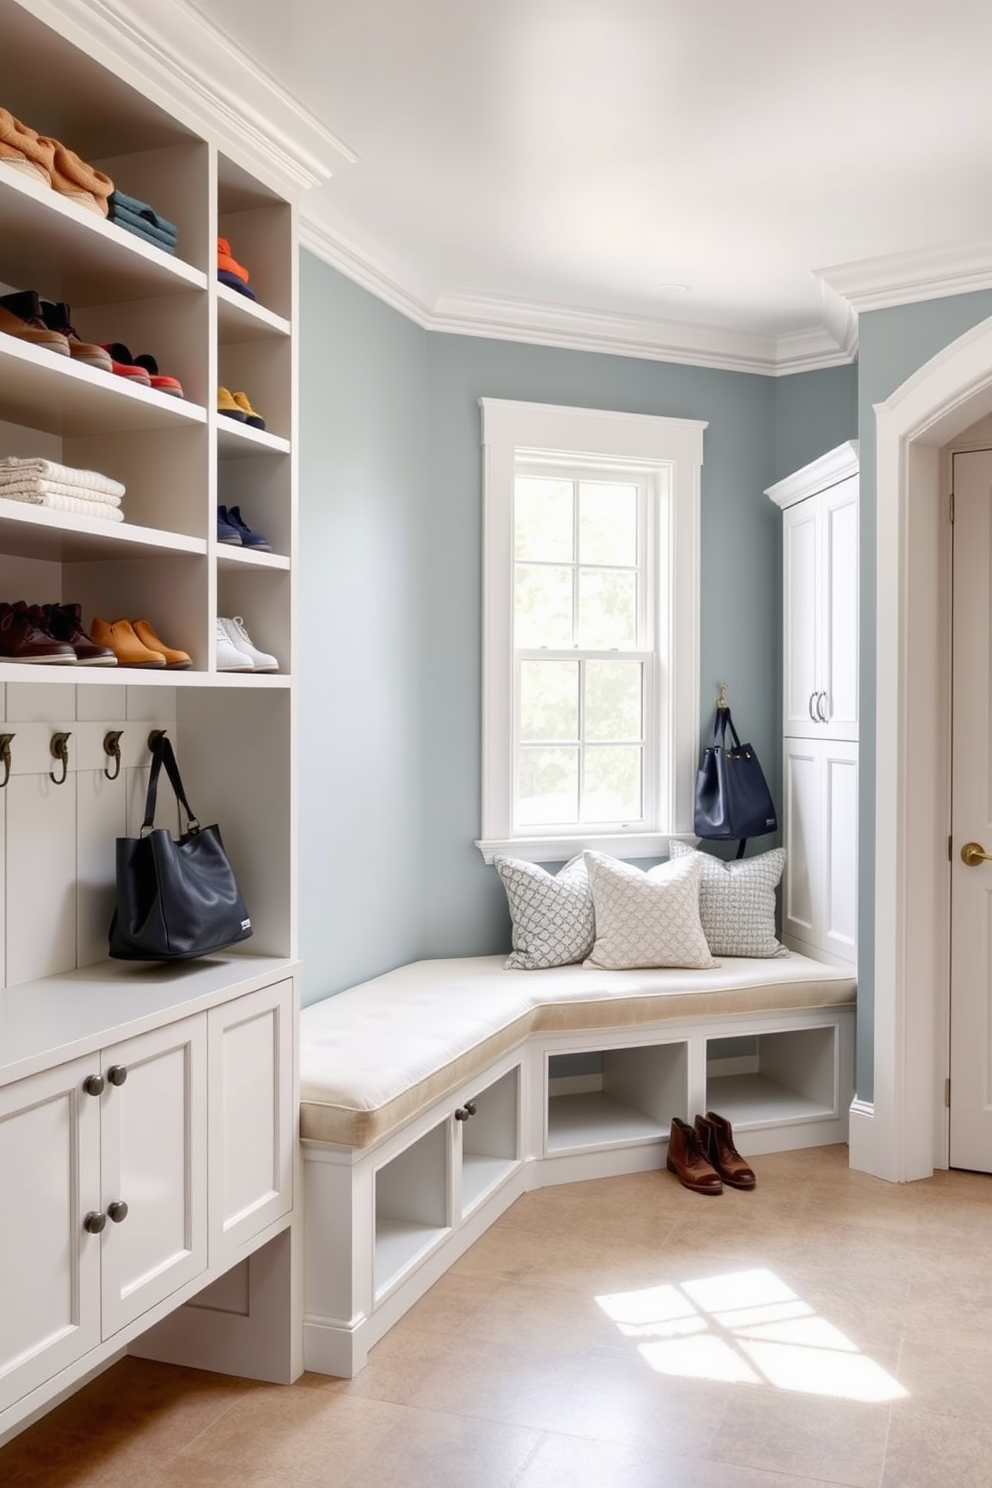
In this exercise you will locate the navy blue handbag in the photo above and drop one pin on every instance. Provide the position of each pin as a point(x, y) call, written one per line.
point(732, 796)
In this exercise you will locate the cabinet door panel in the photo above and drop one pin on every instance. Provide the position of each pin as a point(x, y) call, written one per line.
point(839, 649)
point(800, 886)
point(801, 578)
point(252, 1121)
point(839, 930)
point(50, 1275)
point(154, 1160)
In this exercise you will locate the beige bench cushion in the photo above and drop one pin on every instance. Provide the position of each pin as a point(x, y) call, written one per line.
point(374, 1055)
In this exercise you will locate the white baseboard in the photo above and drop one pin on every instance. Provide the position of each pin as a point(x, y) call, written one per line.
point(861, 1136)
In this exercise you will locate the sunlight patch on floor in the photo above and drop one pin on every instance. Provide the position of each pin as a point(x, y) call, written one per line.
point(748, 1327)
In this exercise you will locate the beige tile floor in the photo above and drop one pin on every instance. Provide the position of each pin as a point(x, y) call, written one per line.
point(624, 1333)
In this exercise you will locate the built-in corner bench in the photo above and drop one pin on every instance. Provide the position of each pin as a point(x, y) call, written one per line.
point(434, 1096)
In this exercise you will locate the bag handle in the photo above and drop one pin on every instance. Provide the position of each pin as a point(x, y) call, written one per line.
point(721, 722)
point(163, 754)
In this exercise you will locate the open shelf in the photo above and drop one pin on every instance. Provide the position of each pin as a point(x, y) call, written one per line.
point(411, 1207)
point(28, 531)
point(242, 319)
point(775, 1078)
point(230, 557)
point(490, 1139)
point(631, 1097)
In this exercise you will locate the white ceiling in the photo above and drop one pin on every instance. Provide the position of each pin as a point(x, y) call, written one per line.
point(543, 166)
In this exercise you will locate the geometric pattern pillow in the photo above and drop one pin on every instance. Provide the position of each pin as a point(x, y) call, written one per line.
point(551, 912)
point(737, 901)
point(646, 919)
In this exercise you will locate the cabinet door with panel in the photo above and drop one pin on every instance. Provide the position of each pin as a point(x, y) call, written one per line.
point(819, 886)
point(252, 1116)
point(154, 1176)
point(49, 1265)
point(820, 614)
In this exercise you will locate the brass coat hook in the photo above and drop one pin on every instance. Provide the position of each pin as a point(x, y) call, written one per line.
point(60, 751)
point(155, 734)
point(721, 701)
point(112, 747)
point(5, 757)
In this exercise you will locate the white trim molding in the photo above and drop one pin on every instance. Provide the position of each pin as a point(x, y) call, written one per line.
point(944, 397)
point(904, 278)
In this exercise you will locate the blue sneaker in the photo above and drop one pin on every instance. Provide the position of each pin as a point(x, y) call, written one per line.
point(248, 538)
point(226, 530)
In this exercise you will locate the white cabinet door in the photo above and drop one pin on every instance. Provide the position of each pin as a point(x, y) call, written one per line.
point(153, 1143)
point(50, 1271)
point(820, 614)
point(820, 818)
point(252, 1116)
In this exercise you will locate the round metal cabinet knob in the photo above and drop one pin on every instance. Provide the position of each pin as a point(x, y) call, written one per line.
point(117, 1211)
point(93, 1084)
point(117, 1074)
point(462, 1113)
point(94, 1222)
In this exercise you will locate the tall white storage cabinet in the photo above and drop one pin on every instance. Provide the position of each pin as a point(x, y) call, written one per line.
point(147, 1113)
point(819, 507)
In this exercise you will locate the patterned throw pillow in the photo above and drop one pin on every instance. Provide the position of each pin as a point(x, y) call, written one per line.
point(646, 919)
point(551, 912)
point(737, 901)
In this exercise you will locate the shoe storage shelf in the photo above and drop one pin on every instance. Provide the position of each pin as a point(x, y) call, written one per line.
point(178, 459)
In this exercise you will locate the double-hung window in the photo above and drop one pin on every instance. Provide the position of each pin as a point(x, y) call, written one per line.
point(591, 630)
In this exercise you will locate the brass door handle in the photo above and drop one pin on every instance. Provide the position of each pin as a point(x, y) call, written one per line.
point(974, 853)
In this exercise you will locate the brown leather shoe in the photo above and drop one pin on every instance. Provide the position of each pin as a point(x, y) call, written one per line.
point(22, 639)
point(716, 1137)
point(30, 328)
point(687, 1160)
point(65, 623)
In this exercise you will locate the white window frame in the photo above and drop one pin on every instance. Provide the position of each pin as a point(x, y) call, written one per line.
point(655, 445)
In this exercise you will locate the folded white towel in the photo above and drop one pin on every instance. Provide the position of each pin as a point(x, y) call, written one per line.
point(104, 511)
point(92, 480)
point(34, 490)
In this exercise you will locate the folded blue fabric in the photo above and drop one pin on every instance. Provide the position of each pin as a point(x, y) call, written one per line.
point(138, 224)
point(233, 282)
point(146, 234)
point(143, 210)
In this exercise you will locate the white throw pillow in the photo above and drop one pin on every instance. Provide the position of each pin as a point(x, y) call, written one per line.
point(737, 901)
point(646, 919)
point(551, 912)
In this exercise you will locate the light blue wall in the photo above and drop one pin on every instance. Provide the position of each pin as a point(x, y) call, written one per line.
point(390, 600)
point(892, 345)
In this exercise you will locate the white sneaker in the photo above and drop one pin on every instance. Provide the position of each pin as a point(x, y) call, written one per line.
point(239, 638)
point(229, 658)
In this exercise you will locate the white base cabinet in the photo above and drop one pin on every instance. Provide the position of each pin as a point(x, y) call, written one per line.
point(819, 886)
point(142, 1169)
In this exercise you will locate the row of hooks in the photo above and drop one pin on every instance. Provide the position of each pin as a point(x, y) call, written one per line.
point(59, 750)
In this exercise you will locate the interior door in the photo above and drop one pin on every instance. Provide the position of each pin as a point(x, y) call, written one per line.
point(971, 816)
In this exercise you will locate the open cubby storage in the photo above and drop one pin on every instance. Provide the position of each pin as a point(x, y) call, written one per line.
point(412, 1211)
point(774, 1077)
point(629, 1095)
point(177, 458)
point(490, 1138)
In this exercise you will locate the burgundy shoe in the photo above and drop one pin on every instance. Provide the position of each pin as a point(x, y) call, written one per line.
point(23, 639)
point(716, 1137)
point(65, 623)
point(687, 1160)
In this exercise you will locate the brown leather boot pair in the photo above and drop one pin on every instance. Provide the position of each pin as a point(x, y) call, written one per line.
point(703, 1157)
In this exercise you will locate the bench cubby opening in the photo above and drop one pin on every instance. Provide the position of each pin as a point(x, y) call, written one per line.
point(411, 1206)
point(490, 1139)
point(767, 1079)
point(614, 1096)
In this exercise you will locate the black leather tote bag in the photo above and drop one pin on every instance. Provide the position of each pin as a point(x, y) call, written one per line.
point(175, 899)
point(732, 795)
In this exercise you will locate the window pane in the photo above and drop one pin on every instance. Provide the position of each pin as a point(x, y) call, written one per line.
point(613, 700)
point(613, 785)
point(549, 701)
point(607, 609)
point(542, 519)
point(607, 523)
point(543, 613)
point(548, 787)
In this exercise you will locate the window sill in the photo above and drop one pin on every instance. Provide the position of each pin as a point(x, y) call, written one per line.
point(560, 849)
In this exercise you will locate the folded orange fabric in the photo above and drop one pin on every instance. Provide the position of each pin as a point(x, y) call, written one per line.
point(24, 148)
point(229, 264)
point(75, 178)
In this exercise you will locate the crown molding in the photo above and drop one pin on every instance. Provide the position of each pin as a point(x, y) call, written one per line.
point(829, 470)
point(905, 278)
point(537, 323)
point(173, 53)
